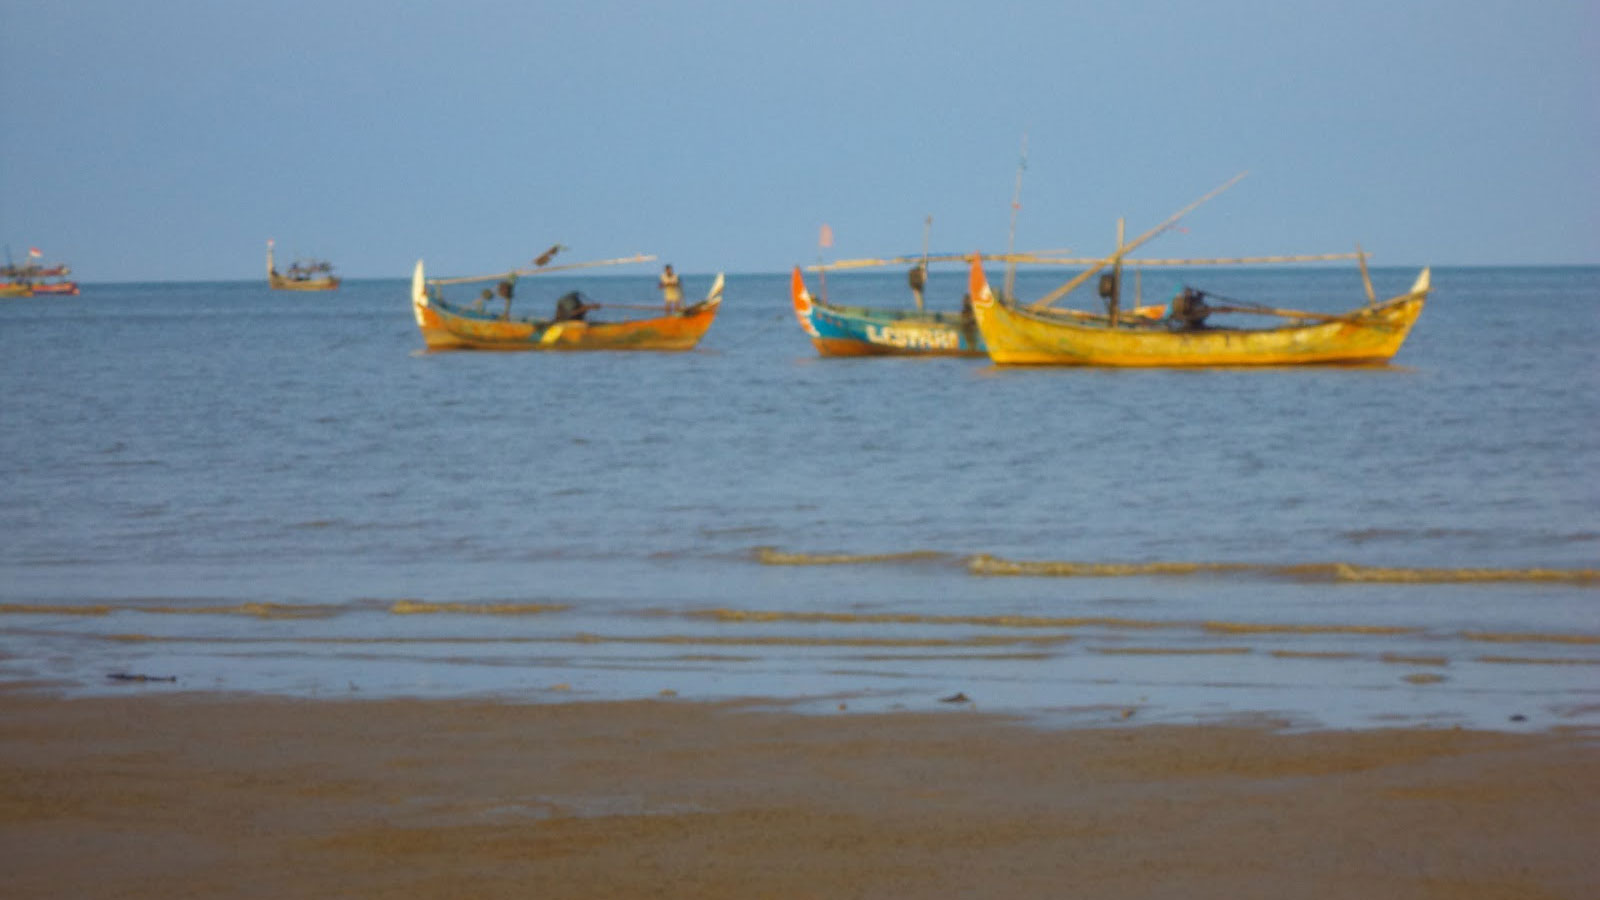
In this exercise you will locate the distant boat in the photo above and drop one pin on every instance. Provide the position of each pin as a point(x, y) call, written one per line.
point(302, 275)
point(455, 326)
point(33, 279)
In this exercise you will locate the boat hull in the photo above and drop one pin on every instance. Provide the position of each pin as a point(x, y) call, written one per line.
point(280, 283)
point(57, 289)
point(446, 327)
point(1019, 337)
point(859, 331)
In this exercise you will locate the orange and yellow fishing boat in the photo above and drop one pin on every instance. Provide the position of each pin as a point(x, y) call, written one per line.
point(452, 326)
point(35, 279)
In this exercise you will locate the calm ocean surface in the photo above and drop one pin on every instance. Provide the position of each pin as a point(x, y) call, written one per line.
point(255, 491)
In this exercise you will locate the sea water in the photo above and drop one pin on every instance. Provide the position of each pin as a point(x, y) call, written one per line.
point(256, 491)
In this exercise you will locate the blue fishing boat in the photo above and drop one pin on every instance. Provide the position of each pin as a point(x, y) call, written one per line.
point(863, 331)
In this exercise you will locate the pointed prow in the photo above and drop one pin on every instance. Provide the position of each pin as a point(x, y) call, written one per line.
point(419, 286)
point(1424, 282)
point(714, 296)
point(978, 284)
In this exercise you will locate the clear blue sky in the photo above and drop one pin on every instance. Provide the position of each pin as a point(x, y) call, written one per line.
point(165, 140)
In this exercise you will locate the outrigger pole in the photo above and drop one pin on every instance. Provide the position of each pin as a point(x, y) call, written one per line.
point(1124, 249)
point(1366, 279)
point(1016, 204)
point(540, 270)
point(927, 226)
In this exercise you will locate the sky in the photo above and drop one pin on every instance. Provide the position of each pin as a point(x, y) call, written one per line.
point(170, 139)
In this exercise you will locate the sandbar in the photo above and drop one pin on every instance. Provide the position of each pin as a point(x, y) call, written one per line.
point(157, 794)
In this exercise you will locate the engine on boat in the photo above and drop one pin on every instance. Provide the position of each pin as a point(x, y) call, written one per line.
point(571, 307)
point(1189, 310)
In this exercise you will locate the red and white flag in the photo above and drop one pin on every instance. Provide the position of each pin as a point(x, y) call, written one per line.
point(825, 236)
point(34, 252)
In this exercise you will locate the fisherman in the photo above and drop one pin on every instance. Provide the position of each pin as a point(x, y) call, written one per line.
point(671, 290)
point(487, 295)
point(504, 289)
point(571, 307)
point(1189, 310)
point(917, 277)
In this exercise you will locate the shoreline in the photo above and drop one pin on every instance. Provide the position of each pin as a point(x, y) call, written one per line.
point(243, 796)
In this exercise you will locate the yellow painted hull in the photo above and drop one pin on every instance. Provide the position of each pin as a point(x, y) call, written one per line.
point(1018, 337)
point(279, 283)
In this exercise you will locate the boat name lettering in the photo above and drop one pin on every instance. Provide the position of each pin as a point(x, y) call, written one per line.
point(914, 338)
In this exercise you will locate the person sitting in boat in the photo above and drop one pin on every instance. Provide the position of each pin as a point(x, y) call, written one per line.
point(477, 305)
point(572, 307)
point(671, 290)
point(1189, 310)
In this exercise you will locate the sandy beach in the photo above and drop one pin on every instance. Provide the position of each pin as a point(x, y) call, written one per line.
point(226, 796)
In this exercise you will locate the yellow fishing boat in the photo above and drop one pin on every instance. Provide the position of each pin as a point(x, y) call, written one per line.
point(302, 275)
point(1019, 336)
point(1037, 335)
point(457, 326)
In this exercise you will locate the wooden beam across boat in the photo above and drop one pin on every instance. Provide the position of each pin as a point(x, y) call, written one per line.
point(1201, 261)
point(883, 262)
point(544, 270)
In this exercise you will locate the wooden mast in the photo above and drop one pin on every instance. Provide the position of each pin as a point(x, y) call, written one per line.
point(1116, 276)
point(927, 226)
point(1011, 239)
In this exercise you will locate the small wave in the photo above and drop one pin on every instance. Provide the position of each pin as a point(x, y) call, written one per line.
point(983, 564)
point(772, 556)
point(1346, 572)
point(1313, 654)
point(1414, 660)
point(798, 641)
point(1172, 651)
point(37, 609)
point(1497, 637)
point(742, 615)
point(254, 610)
point(1254, 628)
point(419, 607)
point(1538, 661)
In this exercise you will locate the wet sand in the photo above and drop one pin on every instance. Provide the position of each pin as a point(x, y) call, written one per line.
point(172, 795)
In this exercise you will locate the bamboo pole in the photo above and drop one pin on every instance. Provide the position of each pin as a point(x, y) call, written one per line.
point(542, 270)
point(1067, 288)
point(1011, 237)
point(1366, 279)
point(1116, 276)
point(1286, 313)
point(1201, 261)
point(927, 226)
point(1037, 256)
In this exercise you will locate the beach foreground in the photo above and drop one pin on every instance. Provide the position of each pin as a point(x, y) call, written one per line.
point(205, 795)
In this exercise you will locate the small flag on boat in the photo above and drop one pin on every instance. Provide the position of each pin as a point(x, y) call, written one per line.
point(825, 237)
point(34, 252)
